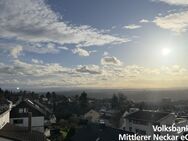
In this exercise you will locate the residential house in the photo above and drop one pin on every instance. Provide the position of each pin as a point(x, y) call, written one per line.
point(92, 116)
point(9, 132)
point(14, 133)
point(123, 118)
point(107, 115)
point(49, 116)
point(141, 122)
point(4, 117)
point(26, 114)
point(95, 132)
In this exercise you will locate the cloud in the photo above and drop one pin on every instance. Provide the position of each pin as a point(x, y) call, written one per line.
point(35, 61)
point(40, 48)
point(81, 52)
point(110, 60)
point(173, 2)
point(132, 26)
point(37, 75)
point(35, 69)
point(16, 51)
point(91, 69)
point(177, 22)
point(63, 48)
point(34, 21)
point(105, 53)
point(174, 70)
point(144, 21)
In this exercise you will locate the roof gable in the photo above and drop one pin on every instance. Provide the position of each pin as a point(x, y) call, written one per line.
point(30, 106)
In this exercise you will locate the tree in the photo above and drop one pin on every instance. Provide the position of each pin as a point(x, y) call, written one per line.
point(54, 96)
point(120, 104)
point(1, 91)
point(41, 96)
point(114, 102)
point(142, 105)
point(116, 119)
point(48, 95)
point(83, 101)
point(123, 104)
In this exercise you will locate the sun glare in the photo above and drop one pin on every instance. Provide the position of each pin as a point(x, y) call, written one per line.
point(165, 51)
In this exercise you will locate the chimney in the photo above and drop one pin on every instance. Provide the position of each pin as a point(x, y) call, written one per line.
point(29, 121)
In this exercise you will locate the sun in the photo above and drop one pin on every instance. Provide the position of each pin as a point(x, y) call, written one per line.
point(165, 51)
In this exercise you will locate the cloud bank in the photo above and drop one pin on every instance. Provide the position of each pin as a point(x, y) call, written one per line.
point(174, 2)
point(34, 21)
point(176, 22)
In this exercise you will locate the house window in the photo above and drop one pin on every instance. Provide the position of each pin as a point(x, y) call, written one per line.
point(23, 110)
point(20, 110)
point(18, 121)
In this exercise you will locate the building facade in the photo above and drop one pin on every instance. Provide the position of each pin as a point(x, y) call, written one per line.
point(141, 122)
point(27, 114)
point(4, 118)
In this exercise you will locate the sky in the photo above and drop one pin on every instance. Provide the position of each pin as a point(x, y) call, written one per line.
point(68, 44)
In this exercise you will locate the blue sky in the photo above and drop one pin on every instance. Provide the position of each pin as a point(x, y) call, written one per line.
point(93, 44)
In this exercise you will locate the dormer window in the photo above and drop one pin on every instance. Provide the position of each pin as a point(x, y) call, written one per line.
point(23, 110)
point(20, 110)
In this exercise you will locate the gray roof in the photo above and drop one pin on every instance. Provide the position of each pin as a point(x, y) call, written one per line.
point(95, 132)
point(36, 110)
point(20, 134)
point(150, 116)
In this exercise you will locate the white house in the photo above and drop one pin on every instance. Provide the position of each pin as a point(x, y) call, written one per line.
point(141, 122)
point(5, 113)
point(92, 116)
point(123, 118)
point(4, 118)
point(28, 114)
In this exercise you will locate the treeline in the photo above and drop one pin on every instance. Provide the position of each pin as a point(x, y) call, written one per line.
point(14, 96)
point(70, 106)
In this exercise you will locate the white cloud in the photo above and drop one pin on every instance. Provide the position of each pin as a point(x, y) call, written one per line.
point(174, 70)
point(177, 22)
point(16, 51)
point(29, 47)
point(81, 52)
point(132, 26)
point(105, 53)
point(173, 2)
point(37, 61)
point(36, 69)
point(63, 48)
point(41, 48)
point(110, 60)
point(91, 69)
point(34, 21)
point(37, 75)
point(143, 21)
